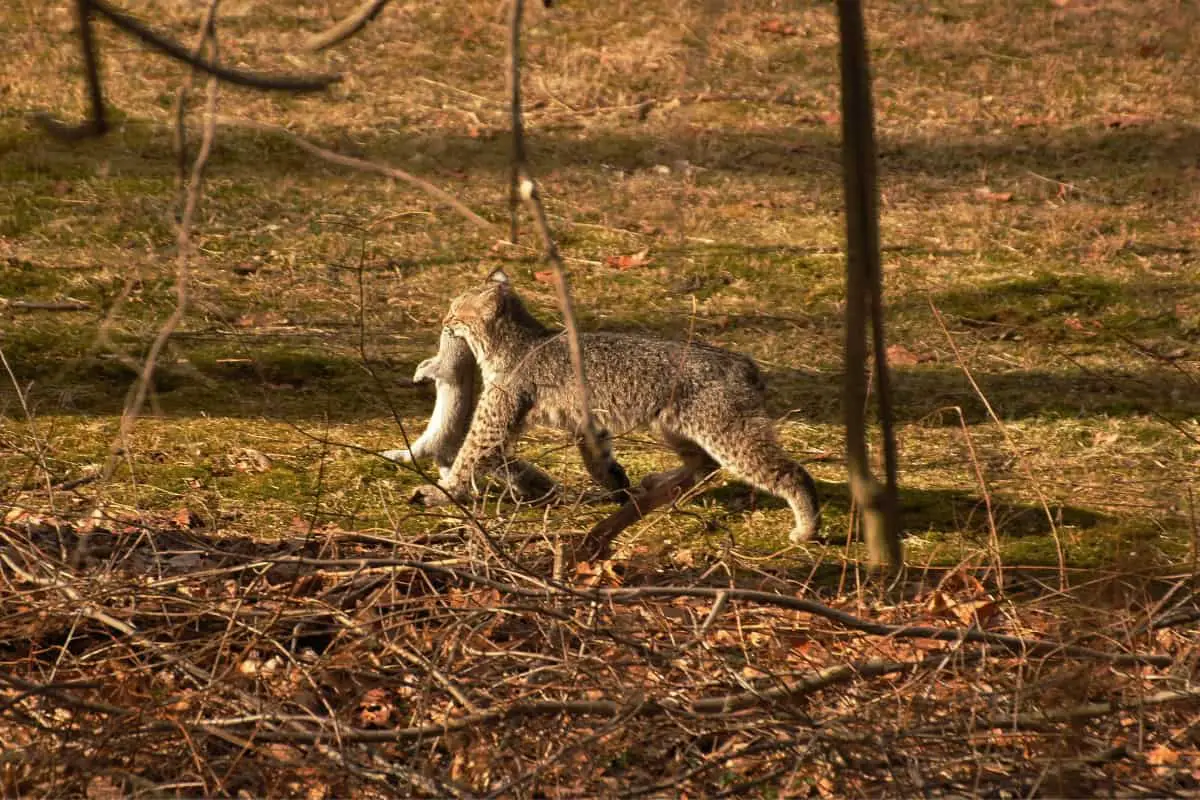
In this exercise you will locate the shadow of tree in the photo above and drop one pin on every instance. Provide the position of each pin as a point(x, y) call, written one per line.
point(944, 510)
point(1128, 161)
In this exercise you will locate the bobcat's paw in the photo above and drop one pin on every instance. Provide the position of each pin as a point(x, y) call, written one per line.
point(805, 531)
point(401, 456)
point(426, 370)
point(429, 496)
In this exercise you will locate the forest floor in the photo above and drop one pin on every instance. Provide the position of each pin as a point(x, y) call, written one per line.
point(1040, 216)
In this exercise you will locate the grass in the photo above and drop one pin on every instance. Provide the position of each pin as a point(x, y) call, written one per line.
point(1039, 189)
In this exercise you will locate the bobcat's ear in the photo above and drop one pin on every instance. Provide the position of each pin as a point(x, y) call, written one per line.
point(498, 275)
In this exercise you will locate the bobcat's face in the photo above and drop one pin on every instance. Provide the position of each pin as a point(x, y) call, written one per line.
point(473, 314)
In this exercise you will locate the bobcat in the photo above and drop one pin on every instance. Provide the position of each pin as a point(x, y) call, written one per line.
point(453, 372)
point(705, 402)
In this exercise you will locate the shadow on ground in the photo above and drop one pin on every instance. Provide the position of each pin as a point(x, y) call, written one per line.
point(808, 155)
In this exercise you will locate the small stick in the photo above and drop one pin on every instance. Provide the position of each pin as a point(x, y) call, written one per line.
point(47, 305)
point(137, 394)
point(358, 19)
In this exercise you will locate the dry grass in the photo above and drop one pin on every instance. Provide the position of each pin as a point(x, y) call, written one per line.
point(1040, 191)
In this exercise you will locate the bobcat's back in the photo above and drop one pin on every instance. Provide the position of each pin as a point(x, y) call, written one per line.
point(634, 380)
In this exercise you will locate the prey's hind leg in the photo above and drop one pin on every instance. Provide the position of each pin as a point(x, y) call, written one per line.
point(696, 463)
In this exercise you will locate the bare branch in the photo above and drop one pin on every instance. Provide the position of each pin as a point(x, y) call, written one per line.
point(45, 305)
point(137, 394)
point(656, 491)
point(97, 125)
point(352, 24)
point(516, 11)
point(367, 166)
point(1032, 647)
point(1078, 713)
point(254, 80)
point(523, 185)
point(864, 297)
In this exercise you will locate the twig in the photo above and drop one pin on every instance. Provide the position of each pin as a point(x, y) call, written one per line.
point(39, 447)
point(714, 705)
point(366, 166)
point(962, 364)
point(523, 185)
point(1075, 714)
point(45, 305)
point(638, 594)
point(137, 397)
point(253, 80)
point(993, 534)
point(358, 19)
point(181, 101)
point(97, 124)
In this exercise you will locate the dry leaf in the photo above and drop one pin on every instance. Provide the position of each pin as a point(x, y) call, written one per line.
point(778, 27)
point(937, 605)
point(638, 259)
point(186, 518)
point(1150, 49)
point(1162, 756)
point(900, 356)
point(545, 276)
point(684, 557)
point(976, 612)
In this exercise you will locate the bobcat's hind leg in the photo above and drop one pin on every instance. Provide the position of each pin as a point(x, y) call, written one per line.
point(748, 448)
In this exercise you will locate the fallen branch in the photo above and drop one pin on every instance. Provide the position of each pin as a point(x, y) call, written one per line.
point(1079, 713)
point(253, 80)
point(1032, 647)
point(45, 305)
point(656, 491)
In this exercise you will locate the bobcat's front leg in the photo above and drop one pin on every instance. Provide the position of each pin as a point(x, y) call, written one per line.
point(601, 465)
point(498, 420)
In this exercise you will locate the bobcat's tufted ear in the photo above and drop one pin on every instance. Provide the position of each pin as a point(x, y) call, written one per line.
point(498, 275)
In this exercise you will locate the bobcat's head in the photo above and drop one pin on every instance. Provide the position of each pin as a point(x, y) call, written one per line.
point(490, 317)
